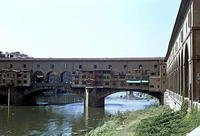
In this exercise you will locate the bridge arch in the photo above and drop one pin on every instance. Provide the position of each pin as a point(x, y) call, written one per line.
point(52, 77)
point(104, 94)
point(66, 77)
point(30, 98)
point(38, 77)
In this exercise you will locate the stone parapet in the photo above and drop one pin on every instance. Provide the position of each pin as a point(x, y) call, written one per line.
point(174, 100)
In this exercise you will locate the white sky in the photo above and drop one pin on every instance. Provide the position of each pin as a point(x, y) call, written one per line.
point(87, 28)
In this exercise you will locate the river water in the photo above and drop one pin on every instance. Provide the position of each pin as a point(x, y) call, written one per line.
point(65, 120)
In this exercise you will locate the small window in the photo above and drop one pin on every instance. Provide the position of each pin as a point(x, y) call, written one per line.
point(76, 82)
point(25, 81)
point(186, 27)
point(80, 66)
point(151, 86)
point(176, 47)
point(158, 86)
point(125, 66)
point(140, 66)
point(24, 65)
point(8, 75)
point(84, 76)
point(155, 66)
point(107, 83)
point(19, 75)
point(11, 65)
point(130, 84)
point(83, 82)
point(189, 20)
point(38, 65)
point(94, 66)
point(51, 66)
point(114, 83)
point(25, 76)
point(182, 36)
point(19, 82)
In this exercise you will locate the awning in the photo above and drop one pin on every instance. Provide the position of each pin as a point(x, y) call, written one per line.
point(137, 81)
point(133, 81)
point(145, 81)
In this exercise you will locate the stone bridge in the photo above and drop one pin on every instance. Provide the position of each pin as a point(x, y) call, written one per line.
point(91, 78)
point(93, 96)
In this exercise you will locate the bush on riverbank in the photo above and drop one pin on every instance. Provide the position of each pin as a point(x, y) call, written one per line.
point(155, 121)
point(124, 124)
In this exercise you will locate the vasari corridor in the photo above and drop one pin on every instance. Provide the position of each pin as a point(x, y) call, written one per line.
point(117, 68)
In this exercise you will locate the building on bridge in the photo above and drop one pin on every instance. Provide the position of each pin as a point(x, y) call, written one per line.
point(183, 55)
point(106, 78)
point(16, 78)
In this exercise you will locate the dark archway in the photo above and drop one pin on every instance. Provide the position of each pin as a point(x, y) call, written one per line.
point(177, 75)
point(52, 77)
point(38, 77)
point(186, 71)
point(181, 73)
point(66, 77)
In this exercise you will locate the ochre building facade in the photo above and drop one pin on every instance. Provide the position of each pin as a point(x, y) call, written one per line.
point(183, 55)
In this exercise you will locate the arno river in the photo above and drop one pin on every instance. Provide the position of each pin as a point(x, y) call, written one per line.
point(65, 120)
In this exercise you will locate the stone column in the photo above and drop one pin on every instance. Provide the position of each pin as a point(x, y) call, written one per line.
point(92, 99)
point(86, 103)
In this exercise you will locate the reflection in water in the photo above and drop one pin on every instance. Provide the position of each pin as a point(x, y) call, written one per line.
point(62, 120)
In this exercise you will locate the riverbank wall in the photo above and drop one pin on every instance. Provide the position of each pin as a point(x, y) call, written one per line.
point(174, 101)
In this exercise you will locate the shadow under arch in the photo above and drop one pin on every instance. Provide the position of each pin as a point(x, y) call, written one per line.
point(52, 77)
point(31, 97)
point(157, 95)
point(66, 77)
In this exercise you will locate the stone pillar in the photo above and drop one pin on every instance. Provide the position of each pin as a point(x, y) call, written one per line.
point(86, 103)
point(92, 99)
point(15, 97)
point(161, 99)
